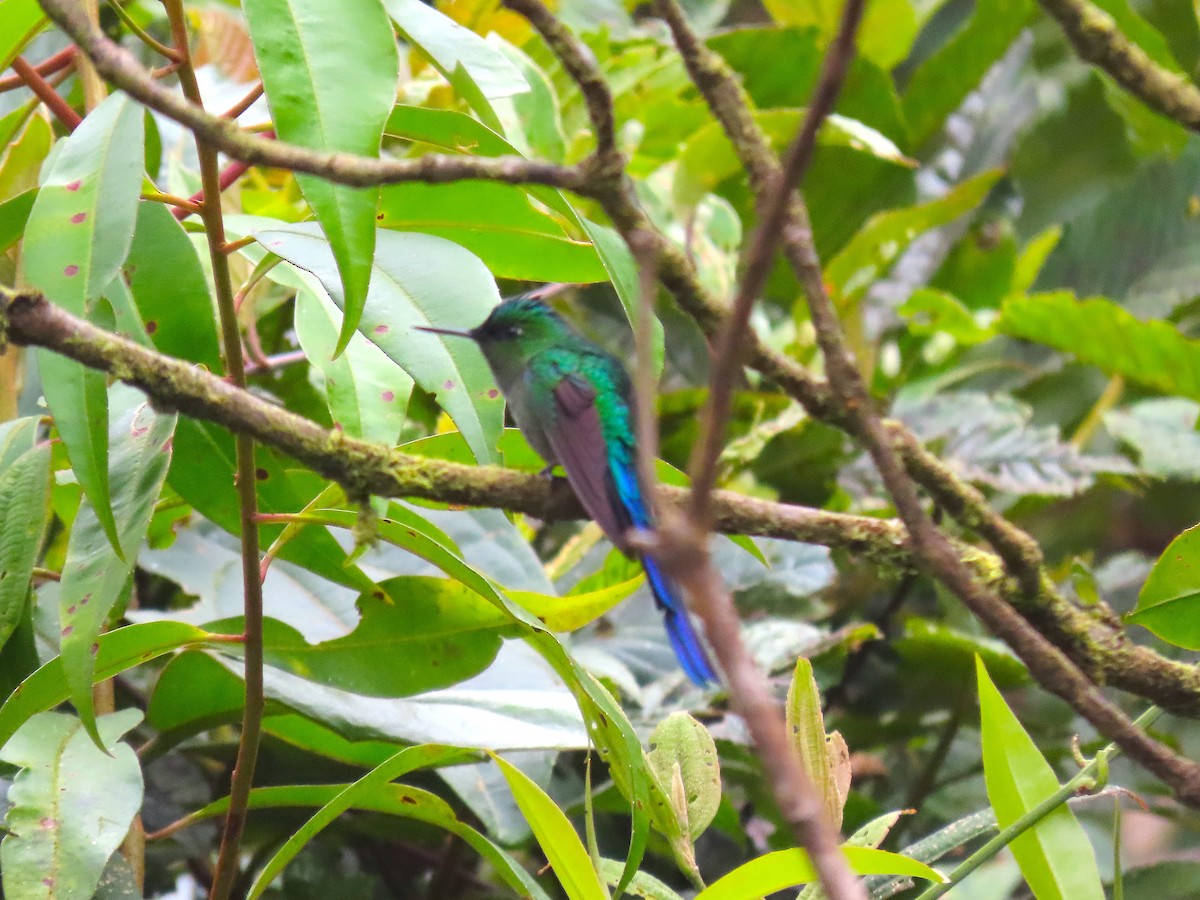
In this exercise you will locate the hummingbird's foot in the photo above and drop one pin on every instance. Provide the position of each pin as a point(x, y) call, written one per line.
point(547, 472)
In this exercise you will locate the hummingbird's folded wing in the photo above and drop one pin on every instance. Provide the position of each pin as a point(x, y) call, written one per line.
point(578, 442)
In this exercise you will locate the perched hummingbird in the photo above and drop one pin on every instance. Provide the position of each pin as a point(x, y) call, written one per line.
point(574, 404)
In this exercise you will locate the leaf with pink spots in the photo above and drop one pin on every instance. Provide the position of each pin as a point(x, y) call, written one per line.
point(76, 238)
point(94, 578)
point(71, 803)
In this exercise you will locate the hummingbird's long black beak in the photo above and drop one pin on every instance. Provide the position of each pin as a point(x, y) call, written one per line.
point(450, 331)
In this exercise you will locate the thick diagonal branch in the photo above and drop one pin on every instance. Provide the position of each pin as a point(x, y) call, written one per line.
point(1099, 644)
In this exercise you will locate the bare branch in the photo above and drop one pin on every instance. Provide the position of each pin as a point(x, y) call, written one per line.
point(33, 79)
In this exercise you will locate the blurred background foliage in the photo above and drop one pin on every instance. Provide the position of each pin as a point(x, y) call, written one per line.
point(977, 168)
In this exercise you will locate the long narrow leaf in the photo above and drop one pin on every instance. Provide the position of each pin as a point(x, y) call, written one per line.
point(1055, 855)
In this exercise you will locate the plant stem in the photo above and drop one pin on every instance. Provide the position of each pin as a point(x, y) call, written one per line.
point(226, 872)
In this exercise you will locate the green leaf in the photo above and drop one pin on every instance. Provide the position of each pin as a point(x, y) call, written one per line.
point(785, 868)
point(576, 609)
point(82, 221)
point(366, 392)
point(396, 800)
point(24, 514)
point(1163, 432)
point(72, 804)
point(941, 83)
point(77, 236)
point(825, 756)
point(25, 155)
point(446, 129)
point(94, 578)
point(1055, 855)
point(878, 244)
point(887, 31)
point(435, 634)
point(120, 649)
point(198, 689)
point(991, 440)
point(17, 437)
point(644, 886)
point(931, 312)
point(375, 781)
point(556, 836)
point(170, 289)
point(325, 98)
point(708, 158)
point(479, 72)
point(684, 758)
point(419, 280)
point(1100, 333)
point(1169, 602)
point(14, 213)
point(533, 118)
point(496, 222)
point(20, 21)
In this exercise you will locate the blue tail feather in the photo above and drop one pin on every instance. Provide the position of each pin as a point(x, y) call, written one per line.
point(684, 640)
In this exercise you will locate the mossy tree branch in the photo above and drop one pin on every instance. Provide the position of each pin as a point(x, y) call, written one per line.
point(1098, 39)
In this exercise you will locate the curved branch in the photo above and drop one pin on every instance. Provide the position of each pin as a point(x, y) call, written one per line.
point(122, 69)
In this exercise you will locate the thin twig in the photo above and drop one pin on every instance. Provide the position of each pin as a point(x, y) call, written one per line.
point(49, 66)
point(245, 103)
point(228, 862)
point(144, 36)
point(54, 102)
point(278, 361)
point(1048, 664)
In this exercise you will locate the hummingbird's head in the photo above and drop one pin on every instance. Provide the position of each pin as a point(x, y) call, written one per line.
point(514, 331)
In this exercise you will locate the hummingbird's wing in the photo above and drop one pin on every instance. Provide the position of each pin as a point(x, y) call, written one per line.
point(578, 442)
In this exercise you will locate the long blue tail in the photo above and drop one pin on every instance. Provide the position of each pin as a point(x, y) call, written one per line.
point(684, 640)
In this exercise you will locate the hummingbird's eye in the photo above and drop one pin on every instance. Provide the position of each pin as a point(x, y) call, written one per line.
point(512, 331)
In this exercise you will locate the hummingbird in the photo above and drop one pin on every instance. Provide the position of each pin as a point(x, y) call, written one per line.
point(573, 401)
